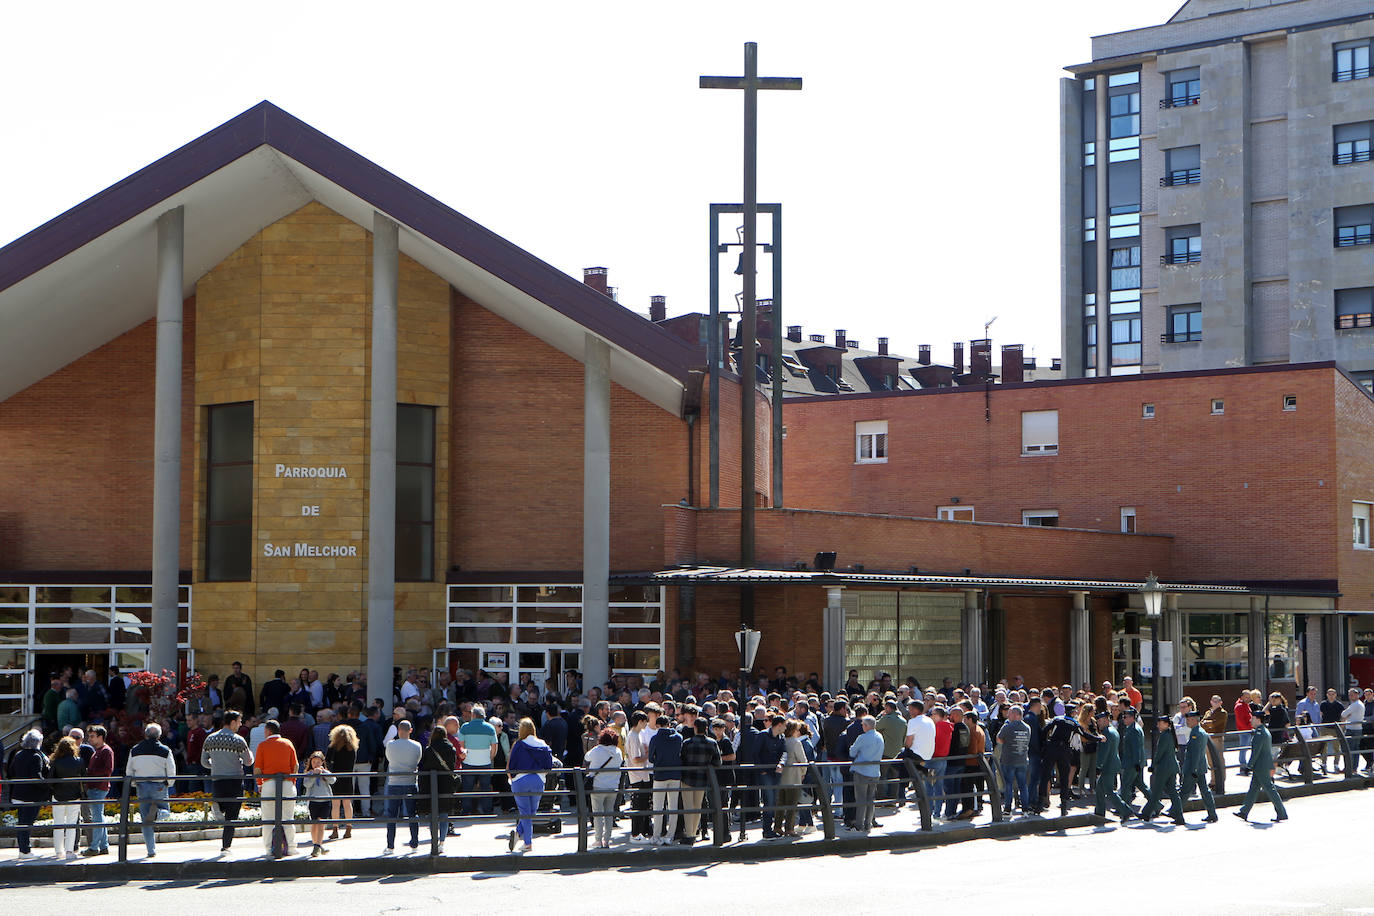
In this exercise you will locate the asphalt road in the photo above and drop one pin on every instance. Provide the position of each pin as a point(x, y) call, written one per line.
point(1316, 862)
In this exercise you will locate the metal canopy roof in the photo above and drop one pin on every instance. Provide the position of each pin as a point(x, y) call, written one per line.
point(724, 575)
point(88, 275)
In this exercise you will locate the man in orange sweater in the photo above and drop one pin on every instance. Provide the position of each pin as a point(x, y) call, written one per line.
point(277, 755)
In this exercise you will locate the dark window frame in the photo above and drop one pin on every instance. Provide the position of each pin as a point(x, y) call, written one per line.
point(424, 527)
point(1192, 324)
point(213, 542)
point(1353, 70)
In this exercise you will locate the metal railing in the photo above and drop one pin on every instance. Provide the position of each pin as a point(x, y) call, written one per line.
point(1181, 257)
point(1350, 236)
point(1355, 155)
point(1352, 73)
point(1356, 320)
point(1180, 336)
point(1180, 101)
point(1179, 177)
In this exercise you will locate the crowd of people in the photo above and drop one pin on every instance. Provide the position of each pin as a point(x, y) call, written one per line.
point(649, 751)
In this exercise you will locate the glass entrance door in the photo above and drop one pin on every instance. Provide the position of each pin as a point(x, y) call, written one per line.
point(14, 681)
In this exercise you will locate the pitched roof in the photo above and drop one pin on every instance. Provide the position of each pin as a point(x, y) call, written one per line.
point(88, 275)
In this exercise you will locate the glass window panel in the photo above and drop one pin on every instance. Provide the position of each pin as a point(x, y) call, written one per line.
point(479, 634)
point(231, 492)
point(10, 636)
point(479, 614)
point(76, 615)
point(14, 594)
point(414, 552)
point(14, 615)
point(414, 434)
point(532, 661)
point(49, 594)
point(557, 635)
point(125, 594)
point(630, 594)
point(551, 594)
point(231, 433)
point(129, 661)
point(536, 613)
point(134, 615)
point(634, 614)
point(229, 552)
point(480, 594)
point(13, 659)
point(11, 706)
point(414, 493)
point(634, 636)
point(635, 660)
point(73, 636)
point(1123, 79)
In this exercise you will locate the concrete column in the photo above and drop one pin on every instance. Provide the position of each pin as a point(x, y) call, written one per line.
point(381, 502)
point(974, 628)
point(1257, 647)
point(1080, 641)
point(1171, 630)
point(832, 639)
point(596, 513)
point(167, 442)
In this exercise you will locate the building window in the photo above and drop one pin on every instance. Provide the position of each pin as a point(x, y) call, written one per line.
point(956, 513)
point(1216, 649)
point(1128, 519)
point(1182, 165)
point(1185, 88)
point(1126, 341)
point(1290, 402)
point(1123, 119)
point(1218, 406)
point(1182, 245)
point(870, 441)
point(1090, 344)
point(1352, 142)
point(1360, 515)
point(1147, 411)
point(1354, 226)
point(1040, 518)
point(1352, 61)
point(1355, 308)
point(1040, 432)
point(229, 493)
point(414, 493)
point(1185, 323)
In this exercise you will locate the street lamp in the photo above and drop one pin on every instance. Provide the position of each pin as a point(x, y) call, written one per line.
point(748, 641)
point(1152, 595)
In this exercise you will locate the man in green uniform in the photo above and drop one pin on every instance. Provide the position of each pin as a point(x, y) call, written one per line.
point(1195, 766)
point(1261, 776)
point(1164, 775)
point(1132, 756)
point(1109, 769)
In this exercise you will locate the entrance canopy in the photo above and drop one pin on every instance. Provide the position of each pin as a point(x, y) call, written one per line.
point(89, 275)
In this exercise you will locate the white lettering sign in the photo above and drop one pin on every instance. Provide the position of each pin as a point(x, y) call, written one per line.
point(310, 510)
point(283, 470)
point(302, 549)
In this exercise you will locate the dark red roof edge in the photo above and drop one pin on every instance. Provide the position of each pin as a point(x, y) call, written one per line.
point(267, 124)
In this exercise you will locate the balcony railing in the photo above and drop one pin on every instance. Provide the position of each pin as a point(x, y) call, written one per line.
point(1357, 320)
point(1179, 101)
point(1181, 257)
point(1355, 155)
point(1350, 236)
point(1180, 336)
point(1180, 177)
point(1354, 73)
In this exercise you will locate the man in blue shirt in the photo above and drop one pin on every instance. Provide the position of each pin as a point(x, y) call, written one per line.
point(865, 754)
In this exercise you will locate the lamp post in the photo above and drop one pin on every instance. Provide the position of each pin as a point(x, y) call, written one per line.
point(1152, 595)
point(748, 641)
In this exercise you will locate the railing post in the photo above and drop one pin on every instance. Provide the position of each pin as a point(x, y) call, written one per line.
point(124, 819)
point(994, 792)
point(717, 807)
point(278, 780)
point(583, 808)
point(1347, 753)
point(1218, 759)
point(1304, 765)
point(434, 839)
point(918, 783)
point(827, 809)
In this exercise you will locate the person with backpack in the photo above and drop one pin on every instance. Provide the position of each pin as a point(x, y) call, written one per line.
point(530, 758)
point(28, 762)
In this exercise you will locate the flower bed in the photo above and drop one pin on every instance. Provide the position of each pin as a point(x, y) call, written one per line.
point(186, 809)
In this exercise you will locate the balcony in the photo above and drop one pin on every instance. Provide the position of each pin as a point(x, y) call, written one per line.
point(1181, 257)
point(1354, 73)
point(1357, 320)
point(1180, 177)
point(1351, 236)
point(1180, 337)
point(1180, 101)
point(1351, 155)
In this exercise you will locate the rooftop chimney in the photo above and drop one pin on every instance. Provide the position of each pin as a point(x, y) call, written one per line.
point(595, 277)
point(923, 355)
point(958, 357)
point(1013, 364)
point(658, 308)
point(980, 358)
point(839, 339)
point(882, 346)
point(794, 333)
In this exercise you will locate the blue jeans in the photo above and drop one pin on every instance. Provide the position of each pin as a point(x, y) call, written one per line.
point(398, 799)
point(953, 785)
point(768, 789)
point(1243, 740)
point(482, 780)
point(152, 798)
point(527, 788)
point(100, 837)
point(1015, 778)
point(935, 780)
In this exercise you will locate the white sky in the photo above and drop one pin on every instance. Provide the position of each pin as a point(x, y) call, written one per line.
point(918, 168)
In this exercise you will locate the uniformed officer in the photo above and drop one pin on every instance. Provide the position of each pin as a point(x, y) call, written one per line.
point(1164, 774)
point(1195, 766)
point(1057, 755)
point(1132, 756)
point(1261, 776)
point(1109, 769)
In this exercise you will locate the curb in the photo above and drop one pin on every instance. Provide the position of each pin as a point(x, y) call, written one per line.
point(425, 865)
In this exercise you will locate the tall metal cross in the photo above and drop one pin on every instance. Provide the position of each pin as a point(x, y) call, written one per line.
point(751, 83)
